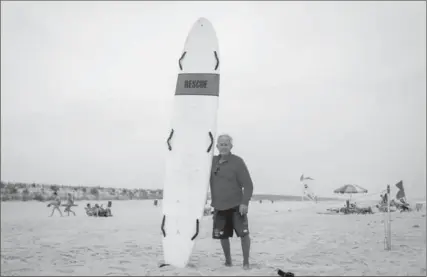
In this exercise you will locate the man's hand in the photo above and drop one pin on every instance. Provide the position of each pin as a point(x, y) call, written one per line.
point(243, 209)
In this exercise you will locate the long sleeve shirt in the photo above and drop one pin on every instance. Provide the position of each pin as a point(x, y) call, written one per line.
point(230, 182)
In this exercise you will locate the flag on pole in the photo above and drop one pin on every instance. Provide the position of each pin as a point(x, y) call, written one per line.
point(302, 178)
point(401, 193)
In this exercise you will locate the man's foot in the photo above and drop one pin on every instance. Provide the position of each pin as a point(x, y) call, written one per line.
point(228, 263)
point(246, 266)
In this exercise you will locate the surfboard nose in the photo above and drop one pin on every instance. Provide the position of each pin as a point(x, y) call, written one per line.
point(203, 25)
point(204, 22)
point(201, 50)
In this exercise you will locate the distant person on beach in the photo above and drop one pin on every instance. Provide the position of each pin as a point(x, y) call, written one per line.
point(88, 209)
point(96, 209)
point(105, 212)
point(384, 199)
point(70, 203)
point(231, 190)
point(56, 203)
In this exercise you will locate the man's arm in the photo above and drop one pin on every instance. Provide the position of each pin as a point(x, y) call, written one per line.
point(244, 179)
point(214, 162)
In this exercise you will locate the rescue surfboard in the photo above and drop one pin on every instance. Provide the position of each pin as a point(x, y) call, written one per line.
point(190, 143)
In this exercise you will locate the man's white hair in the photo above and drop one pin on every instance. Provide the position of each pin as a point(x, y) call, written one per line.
point(230, 139)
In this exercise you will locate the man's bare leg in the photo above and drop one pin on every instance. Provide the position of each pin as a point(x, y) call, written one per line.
point(53, 210)
point(59, 210)
point(225, 243)
point(246, 246)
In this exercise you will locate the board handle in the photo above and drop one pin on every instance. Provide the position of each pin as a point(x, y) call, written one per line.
point(212, 140)
point(162, 227)
point(217, 60)
point(180, 59)
point(168, 140)
point(197, 230)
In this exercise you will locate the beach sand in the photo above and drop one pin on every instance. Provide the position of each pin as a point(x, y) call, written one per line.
point(291, 236)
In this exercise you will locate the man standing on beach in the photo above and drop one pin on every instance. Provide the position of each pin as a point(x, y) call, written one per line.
point(70, 203)
point(231, 191)
point(56, 203)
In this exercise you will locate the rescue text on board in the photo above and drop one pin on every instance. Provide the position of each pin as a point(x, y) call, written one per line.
point(195, 84)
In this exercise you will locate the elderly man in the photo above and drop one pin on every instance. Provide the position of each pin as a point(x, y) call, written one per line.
point(231, 190)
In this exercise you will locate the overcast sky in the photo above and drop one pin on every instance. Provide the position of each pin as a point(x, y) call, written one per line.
point(335, 90)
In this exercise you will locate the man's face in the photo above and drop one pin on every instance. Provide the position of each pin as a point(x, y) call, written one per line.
point(224, 145)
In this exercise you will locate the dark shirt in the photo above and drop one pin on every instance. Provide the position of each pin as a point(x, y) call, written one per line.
point(231, 183)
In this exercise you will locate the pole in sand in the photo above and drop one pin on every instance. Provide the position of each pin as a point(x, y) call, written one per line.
point(389, 219)
point(303, 190)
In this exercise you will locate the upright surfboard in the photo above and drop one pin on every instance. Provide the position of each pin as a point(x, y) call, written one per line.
point(190, 143)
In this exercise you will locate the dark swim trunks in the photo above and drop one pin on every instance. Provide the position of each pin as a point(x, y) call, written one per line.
point(224, 222)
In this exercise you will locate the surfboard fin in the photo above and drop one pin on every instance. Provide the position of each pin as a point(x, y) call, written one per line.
point(163, 226)
point(180, 59)
point(212, 141)
point(217, 60)
point(168, 140)
point(197, 230)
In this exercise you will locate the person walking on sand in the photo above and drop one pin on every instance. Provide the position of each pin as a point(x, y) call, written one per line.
point(70, 203)
point(231, 190)
point(56, 203)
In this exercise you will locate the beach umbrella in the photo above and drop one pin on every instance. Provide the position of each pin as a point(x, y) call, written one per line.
point(350, 189)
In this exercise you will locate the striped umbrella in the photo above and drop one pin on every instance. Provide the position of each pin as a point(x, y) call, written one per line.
point(350, 189)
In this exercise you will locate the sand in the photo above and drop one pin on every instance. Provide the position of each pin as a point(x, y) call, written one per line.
point(298, 240)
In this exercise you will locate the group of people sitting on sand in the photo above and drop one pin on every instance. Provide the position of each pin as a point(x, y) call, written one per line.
point(395, 204)
point(399, 204)
point(99, 211)
point(352, 208)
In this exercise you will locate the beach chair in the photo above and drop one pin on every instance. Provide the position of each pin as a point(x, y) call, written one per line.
point(362, 210)
point(335, 210)
point(383, 208)
point(367, 210)
point(403, 207)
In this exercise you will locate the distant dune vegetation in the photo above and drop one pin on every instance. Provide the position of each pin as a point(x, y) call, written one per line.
point(44, 192)
point(13, 191)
